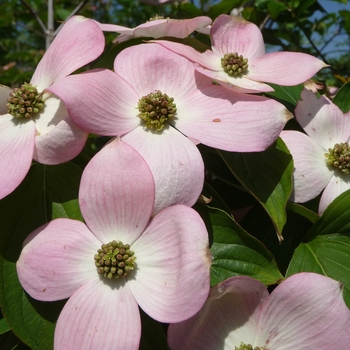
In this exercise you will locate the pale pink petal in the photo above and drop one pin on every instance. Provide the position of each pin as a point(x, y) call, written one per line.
point(114, 28)
point(284, 68)
point(227, 318)
point(322, 120)
point(231, 34)
point(151, 67)
point(238, 84)
point(171, 282)
point(57, 260)
point(117, 193)
point(231, 121)
point(175, 162)
point(58, 138)
point(311, 173)
point(16, 148)
point(4, 95)
point(79, 42)
point(306, 311)
point(338, 184)
point(107, 104)
point(178, 28)
point(100, 315)
point(207, 59)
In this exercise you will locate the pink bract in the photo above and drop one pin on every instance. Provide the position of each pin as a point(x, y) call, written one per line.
point(306, 311)
point(325, 125)
point(51, 136)
point(208, 113)
point(157, 28)
point(231, 34)
point(170, 281)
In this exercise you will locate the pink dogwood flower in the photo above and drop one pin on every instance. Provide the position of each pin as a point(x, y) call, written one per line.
point(306, 311)
point(155, 98)
point(34, 123)
point(158, 27)
point(120, 259)
point(238, 59)
point(322, 155)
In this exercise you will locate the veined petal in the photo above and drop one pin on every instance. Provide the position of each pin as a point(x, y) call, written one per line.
point(175, 162)
point(231, 121)
point(285, 68)
point(99, 316)
point(227, 318)
point(311, 173)
point(58, 138)
point(306, 311)
point(207, 59)
point(116, 194)
point(338, 184)
point(4, 95)
point(79, 42)
point(57, 260)
point(151, 67)
point(16, 148)
point(230, 34)
point(107, 103)
point(322, 120)
point(171, 282)
point(178, 28)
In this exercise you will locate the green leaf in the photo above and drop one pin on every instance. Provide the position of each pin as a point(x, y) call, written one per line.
point(4, 327)
point(301, 210)
point(224, 6)
point(288, 95)
point(23, 211)
point(267, 176)
point(275, 8)
point(342, 98)
point(326, 248)
point(153, 336)
point(68, 209)
point(235, 252)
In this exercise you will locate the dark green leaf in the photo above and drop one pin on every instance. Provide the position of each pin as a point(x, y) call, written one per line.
point(4, 327)
point(267, 176)
point(288, 95)
point(342, 98)
point(235, 252)
point(301, 210)
point(224, 6)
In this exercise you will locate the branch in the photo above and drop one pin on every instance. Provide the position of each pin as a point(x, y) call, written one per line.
point(42, 25)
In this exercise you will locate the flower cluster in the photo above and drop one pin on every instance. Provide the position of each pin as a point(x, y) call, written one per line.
point(139, 243)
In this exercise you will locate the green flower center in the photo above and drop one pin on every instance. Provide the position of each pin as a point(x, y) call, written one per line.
point(234, 64)
point(114, 260)
point(339, 157)
point(156, 17)
point(248, 347)
point(155, 109)
point(25, 102)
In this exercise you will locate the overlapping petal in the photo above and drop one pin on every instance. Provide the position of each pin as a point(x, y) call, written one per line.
point(228, 317)
point(311, 173)
point(69, 52)
point(58, 138)
point(57, 260)
point(100, 315)
point(306, 311)
point(107, 103)
point(158, 28)
point(338, 184)
point(16, 145)
point(175, 162)
point(116, 194)
point(173, 265)
point(322, 120)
